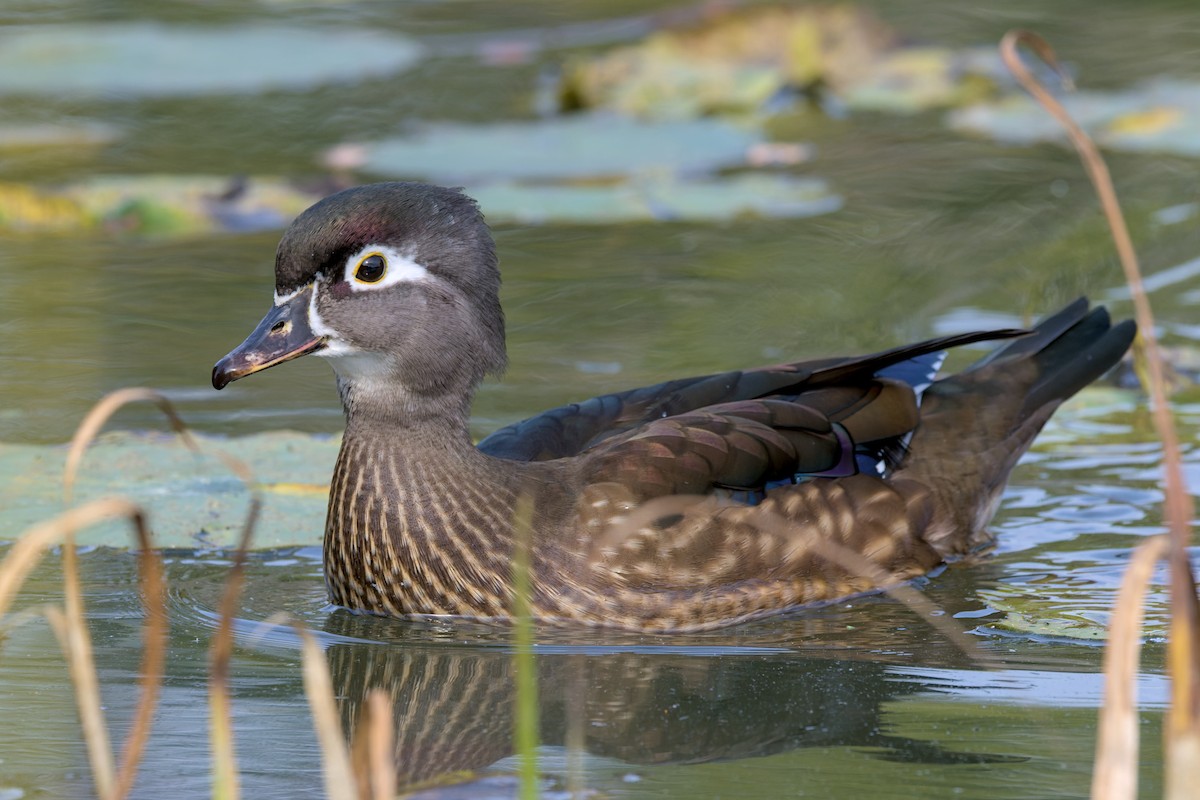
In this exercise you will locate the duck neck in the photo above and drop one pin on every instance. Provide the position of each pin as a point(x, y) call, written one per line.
point(419, 520)
point(392, 411)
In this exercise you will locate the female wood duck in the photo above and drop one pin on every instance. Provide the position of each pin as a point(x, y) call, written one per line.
point(688, 505)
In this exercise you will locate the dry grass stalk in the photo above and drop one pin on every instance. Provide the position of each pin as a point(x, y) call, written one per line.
point(225, 780)
point(1179, 508)
point(225, 776)
point(92, 424)
point(154, 656)
point(1182, 731)
point(71, 629)
point(318, 688)
point(77, 647)
point(82, 670)
point(100, 414)
point(33, 543)
point(525, 727)
point(1115, 773)
point(371, 753)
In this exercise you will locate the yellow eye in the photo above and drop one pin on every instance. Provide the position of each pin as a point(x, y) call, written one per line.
point(371, 269)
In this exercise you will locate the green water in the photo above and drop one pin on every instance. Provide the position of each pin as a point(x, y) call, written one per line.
point(938, 232)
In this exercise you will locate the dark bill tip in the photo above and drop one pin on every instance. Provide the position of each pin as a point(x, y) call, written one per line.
point(283, 334)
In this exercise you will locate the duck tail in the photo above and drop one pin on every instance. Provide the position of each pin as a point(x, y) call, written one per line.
point(976, 424)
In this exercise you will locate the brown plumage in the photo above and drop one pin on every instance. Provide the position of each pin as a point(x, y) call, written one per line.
point(687, 505)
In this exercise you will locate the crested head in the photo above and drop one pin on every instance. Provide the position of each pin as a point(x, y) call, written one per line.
point(441, 229)
point(404, 290)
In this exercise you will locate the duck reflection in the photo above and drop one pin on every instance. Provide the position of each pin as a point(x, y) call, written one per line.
point(632, 700)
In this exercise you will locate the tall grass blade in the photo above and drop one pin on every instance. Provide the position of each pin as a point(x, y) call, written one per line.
point(1115, 773)
point(226, 785)
point(525, 731)
point(1182, 731)
point(372, 753)
point(77, 646)
point(225, 780)
point(100, 414)
point(72, 633)
point(318, 688)
point(35, 540)
point(154, 655)
point(576, 738)
point(70, 626)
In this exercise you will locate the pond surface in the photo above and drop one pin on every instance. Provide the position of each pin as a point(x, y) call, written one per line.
point(936, 232)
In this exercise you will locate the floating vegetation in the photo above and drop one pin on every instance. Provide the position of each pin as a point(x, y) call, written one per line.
point(603, 168)
point(663, 198)
point(37, 136)
point(197, 503)
point(584, 146)
point(151, 60)
point(153, 205)
point(164, 205)
point(748, 61)
point(1161, 115)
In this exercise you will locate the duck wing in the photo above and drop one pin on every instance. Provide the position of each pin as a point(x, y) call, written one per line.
point(573, 429)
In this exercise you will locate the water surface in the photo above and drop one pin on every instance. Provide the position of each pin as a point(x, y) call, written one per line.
point(938, 232)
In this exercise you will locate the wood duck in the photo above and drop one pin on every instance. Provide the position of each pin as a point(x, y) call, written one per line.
point(688, 505)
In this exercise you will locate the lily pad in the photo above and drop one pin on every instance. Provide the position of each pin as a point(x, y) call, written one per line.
point(174, 205)
point(154, 205)
point(764, 195)
point(148, 59)
point(1161, 115)
point(587, 146)
point(193, 500)
point(57, 135)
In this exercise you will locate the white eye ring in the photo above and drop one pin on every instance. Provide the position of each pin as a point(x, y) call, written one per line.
point(398, 268)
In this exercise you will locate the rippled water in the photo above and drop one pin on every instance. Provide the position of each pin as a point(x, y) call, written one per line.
point(938, 233)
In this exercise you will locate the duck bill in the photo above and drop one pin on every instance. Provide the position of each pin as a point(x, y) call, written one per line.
point(283, 334)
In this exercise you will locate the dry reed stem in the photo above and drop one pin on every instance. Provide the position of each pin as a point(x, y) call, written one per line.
point(381, 745)
point(77, 646)
point(71, 631)
point(225, 779)
point(1182, 729)
point(108, 405)
point(154, 655)
point(100, 414)
point(226, 785)
point(72, 635)
point(1184, 652)
point(843, 557)
point(34, 541)
point(318, 688)
point(1115, 773)
point(87, 702)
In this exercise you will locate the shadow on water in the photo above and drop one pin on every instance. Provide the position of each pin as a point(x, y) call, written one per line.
point(638, 704)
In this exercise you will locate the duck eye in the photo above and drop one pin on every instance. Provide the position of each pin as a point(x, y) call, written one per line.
point(371, 269)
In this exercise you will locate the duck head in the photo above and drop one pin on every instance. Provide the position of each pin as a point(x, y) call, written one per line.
point(397, 285)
